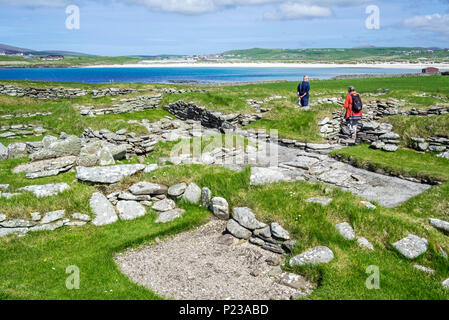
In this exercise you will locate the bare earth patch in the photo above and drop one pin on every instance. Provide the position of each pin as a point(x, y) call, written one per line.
point(202, 265)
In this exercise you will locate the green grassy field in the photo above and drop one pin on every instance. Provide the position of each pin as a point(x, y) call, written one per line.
point(393, 54)
point(402, 162)
point(45, 256)
point(34, 267)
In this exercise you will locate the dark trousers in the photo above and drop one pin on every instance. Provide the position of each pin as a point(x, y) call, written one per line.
point(305, 102)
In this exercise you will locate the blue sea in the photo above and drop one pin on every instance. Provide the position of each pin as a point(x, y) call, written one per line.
point(170, 75)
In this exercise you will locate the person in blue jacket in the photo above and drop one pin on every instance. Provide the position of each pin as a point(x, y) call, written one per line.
point(303, 92)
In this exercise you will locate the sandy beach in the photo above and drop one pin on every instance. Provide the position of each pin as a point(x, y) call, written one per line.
point(273, 65)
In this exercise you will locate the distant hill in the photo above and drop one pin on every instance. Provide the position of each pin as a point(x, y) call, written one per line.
point(15, 50)
point(359, 54)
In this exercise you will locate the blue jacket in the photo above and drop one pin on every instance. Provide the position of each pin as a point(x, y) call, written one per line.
point(304, 87)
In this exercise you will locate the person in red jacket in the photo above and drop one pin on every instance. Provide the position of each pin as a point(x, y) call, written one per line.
point(353, 110)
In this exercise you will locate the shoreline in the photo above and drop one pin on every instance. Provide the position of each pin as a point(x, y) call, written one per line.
point(274, 65)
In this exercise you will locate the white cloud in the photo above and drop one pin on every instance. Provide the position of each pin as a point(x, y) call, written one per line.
point(436, 23)
point(293, 11)
point(198, 6)
point(298, 8)
point(35, 3)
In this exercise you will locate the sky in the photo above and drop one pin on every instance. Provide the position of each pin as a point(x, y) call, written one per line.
point(153, 27)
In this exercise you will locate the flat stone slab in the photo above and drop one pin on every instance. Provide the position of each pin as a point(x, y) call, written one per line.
point(148, 188)
point(103, 210)
point(363, 242)
point(17, 223)
point(7, 231)
point(319, 200)
point(260, 176)
point(46, 190)
point(388, 191)
point(440, 225)
point(346, 230)
point(424, 269)
point(313, 256)
point(107, 175)
point(412, 246)
point(46, 168)
point(303, 162)
point(294, 164)
point(81, 217)
point(53, 216)
point(368, 205)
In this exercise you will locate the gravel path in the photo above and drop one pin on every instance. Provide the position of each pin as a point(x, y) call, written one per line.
point(205, 265)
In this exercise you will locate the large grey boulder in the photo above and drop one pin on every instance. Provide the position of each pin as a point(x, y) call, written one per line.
point(346, 230)
point(68, 146)
point(177, 190)
point(130, 210)
point(313, 256)
point(440, 225)
point(3, 152)
point(220, 208)
point(17, 150)
point(412, 246)
point(46, 190)
point(164, 205)
point(171, 215)
point(246, 218)
point(104, 212)
point(237, 230)
point(148, 188)
point(192, 193)
point(279, 232)
point(107, 175)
